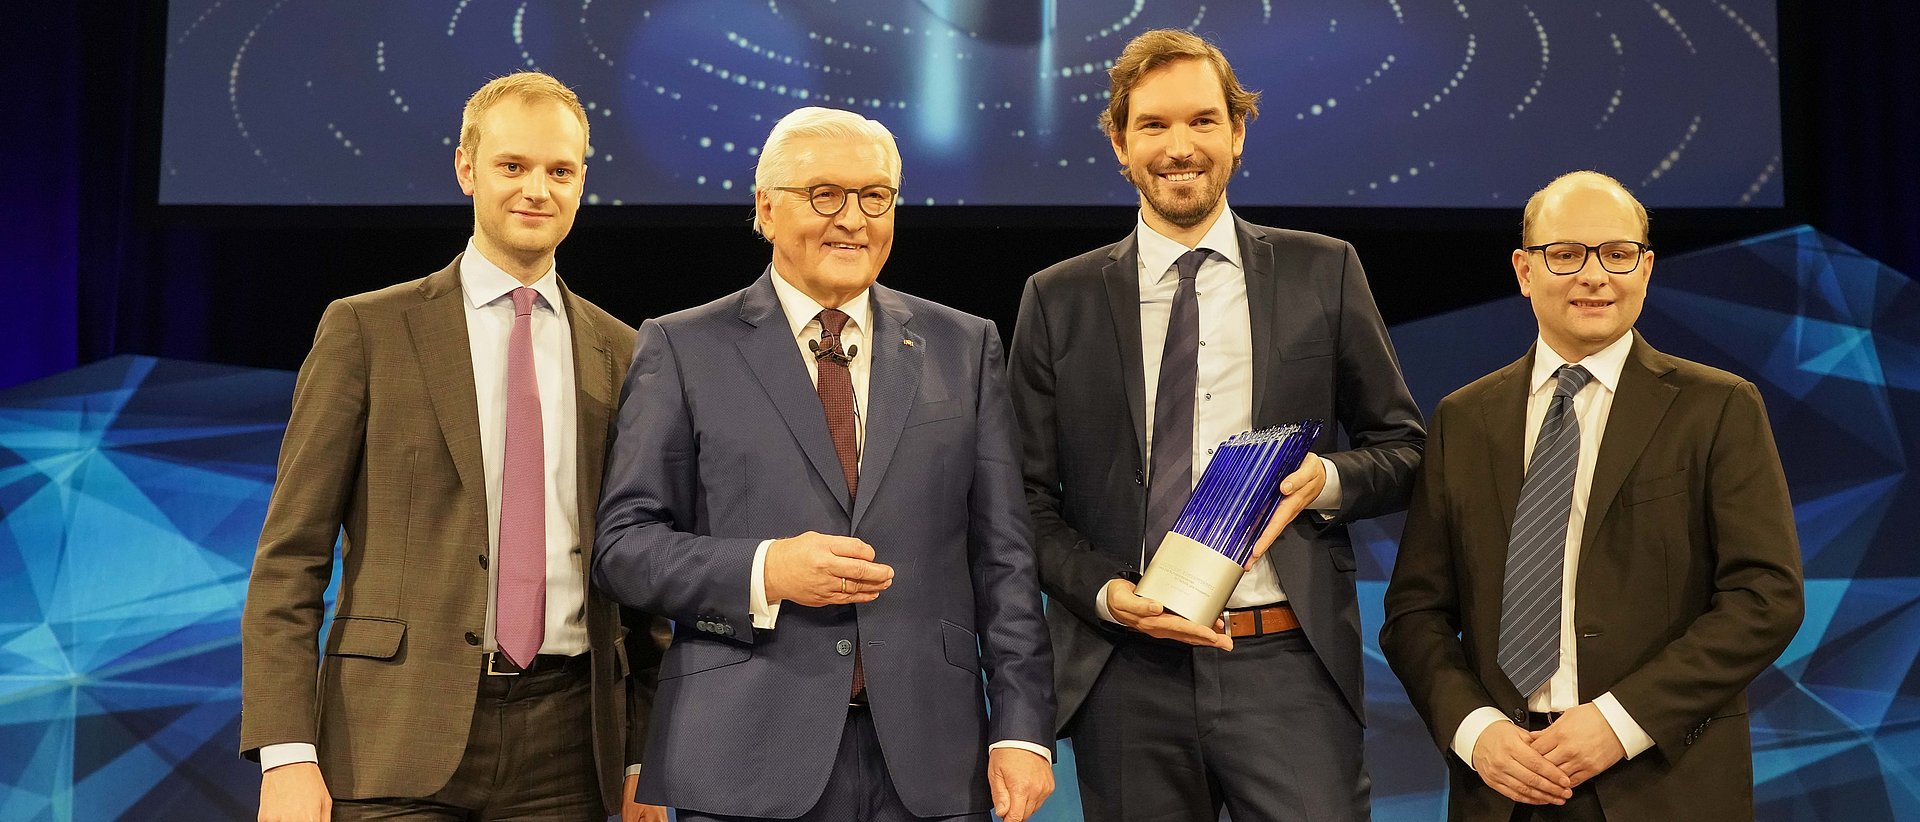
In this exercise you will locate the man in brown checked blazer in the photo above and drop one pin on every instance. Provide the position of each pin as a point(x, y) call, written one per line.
point(455, 426)
point(1579, 637)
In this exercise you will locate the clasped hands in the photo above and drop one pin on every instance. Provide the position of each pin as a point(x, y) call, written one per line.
point(1543, 767)
point(816, 569)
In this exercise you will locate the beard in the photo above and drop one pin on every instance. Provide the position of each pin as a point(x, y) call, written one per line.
point(1184, 210)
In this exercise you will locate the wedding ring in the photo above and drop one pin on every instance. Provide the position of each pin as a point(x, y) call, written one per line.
point(843, 585)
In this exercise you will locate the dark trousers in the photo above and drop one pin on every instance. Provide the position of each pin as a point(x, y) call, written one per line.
point(529, 757)
point(859, 789)
point(1173, 733)
point(1583, 807)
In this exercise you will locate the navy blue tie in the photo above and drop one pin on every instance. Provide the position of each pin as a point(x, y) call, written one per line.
point(1537, 548)
point(1170, 481)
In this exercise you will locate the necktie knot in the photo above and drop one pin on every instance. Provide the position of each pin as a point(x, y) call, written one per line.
point(523, 298)
point(832, 320)
point(1572, 378)
point(1189, 263)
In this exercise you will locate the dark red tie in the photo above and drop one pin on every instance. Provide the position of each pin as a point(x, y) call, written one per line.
point(835, 387)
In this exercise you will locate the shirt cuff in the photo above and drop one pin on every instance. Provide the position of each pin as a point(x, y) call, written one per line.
point(1632, 737)
point(1100, 606)
point(1468, 734)
point(287, 753)
point(1328, 503)
point(633, 770)
point(1025, 746)
point(764, 613)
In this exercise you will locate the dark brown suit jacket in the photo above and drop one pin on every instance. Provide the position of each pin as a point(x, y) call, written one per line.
point(384, 441)
point(1688, 584)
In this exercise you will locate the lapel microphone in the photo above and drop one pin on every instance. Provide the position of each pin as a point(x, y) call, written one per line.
point(824, 354)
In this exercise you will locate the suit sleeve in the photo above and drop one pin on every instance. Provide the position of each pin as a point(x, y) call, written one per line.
point(1382, 421)
point(1070, 570)
point(1015, 650)
point(1421, 634)
point(646, 554)
point(1757, 601)
point(318, 472)
point(647, 639)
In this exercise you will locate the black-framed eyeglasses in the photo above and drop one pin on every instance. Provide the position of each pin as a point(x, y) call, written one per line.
point(829, 200)
point(1617, 257)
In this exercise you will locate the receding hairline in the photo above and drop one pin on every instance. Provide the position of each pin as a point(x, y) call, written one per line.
point(1573, 181)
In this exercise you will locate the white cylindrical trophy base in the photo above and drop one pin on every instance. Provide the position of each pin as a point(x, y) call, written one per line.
point(1190, 579)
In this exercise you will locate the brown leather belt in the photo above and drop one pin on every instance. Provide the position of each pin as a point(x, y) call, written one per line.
point(1272, 619)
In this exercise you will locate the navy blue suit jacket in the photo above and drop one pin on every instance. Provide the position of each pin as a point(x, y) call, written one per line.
point(721, 443)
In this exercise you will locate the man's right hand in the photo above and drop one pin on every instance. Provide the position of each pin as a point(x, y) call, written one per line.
point(1148, 617)
point(295, 793)
point(1508, 764)
point(816, 569)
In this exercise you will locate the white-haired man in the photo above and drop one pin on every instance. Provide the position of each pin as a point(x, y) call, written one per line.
point(815, 477)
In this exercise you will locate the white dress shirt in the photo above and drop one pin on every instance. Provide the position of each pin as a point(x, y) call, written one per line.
point(1591, 407)
point(489, 314)
point(1223, 386)
point(803, 317)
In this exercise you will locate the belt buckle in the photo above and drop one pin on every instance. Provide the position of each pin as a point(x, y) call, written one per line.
point(489, 670)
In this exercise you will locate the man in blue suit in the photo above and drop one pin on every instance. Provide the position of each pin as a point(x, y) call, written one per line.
point(816, 478)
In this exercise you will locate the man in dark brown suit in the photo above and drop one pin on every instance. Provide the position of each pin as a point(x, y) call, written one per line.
point(1580, 637)
point(455, 427)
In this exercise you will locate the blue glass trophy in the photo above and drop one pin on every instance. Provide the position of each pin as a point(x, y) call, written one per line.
point(1201, 560)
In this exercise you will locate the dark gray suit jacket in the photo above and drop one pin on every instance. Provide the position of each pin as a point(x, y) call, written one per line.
point(1688, 586)
point(721, 443)
point(1320, 351)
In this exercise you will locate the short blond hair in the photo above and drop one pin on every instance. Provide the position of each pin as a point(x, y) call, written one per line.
point(528, 86)
point(1157, 48)
point(779, 164)
point(1539, 199)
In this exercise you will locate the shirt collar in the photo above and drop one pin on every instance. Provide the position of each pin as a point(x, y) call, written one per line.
point(801, 309)
point(483, 282)
point(1605, 365)
point(1158, 252)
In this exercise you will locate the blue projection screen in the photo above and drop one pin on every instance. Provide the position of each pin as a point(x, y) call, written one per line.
point(1456, 103)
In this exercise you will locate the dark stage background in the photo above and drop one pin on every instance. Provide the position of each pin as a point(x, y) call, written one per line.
point(106, 271)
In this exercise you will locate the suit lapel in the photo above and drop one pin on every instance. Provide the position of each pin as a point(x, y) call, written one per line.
point(438, 329)
point(1504, 413)
point(1122, 277)
point(593, 390)
point(1257, 255)
point(893, 387)
point(1638, 406)
point(771, 352)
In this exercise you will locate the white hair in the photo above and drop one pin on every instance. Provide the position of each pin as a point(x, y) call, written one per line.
point(779, 162)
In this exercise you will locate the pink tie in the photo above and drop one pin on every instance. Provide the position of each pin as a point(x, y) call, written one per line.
point(519, 620)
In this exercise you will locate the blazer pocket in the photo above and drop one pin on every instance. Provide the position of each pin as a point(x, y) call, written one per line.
point(693, 655)
point(1656, 488)
point(369, 637)
point(936, 411)
point(962, 647)
point(1307, 349)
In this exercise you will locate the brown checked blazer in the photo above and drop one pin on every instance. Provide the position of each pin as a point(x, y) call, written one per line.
point(1688, 585)
point(384, 443)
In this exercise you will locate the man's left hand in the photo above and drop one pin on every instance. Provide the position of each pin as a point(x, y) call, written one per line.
point(1581, 743)
point(1020, 780)
point(1300, 489)
point(631, 811)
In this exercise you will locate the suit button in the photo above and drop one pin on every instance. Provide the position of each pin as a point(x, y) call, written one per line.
point(1520, 717)
point(483, 560)
point(844, 647)
point(472, 638)
point(1137, 478)
point(726, 630)
point(703, 625)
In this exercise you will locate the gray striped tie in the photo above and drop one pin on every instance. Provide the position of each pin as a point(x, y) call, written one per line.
point(1537, 550)
point(1171, 480)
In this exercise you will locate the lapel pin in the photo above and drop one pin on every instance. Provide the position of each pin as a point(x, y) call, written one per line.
point(907, 343)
